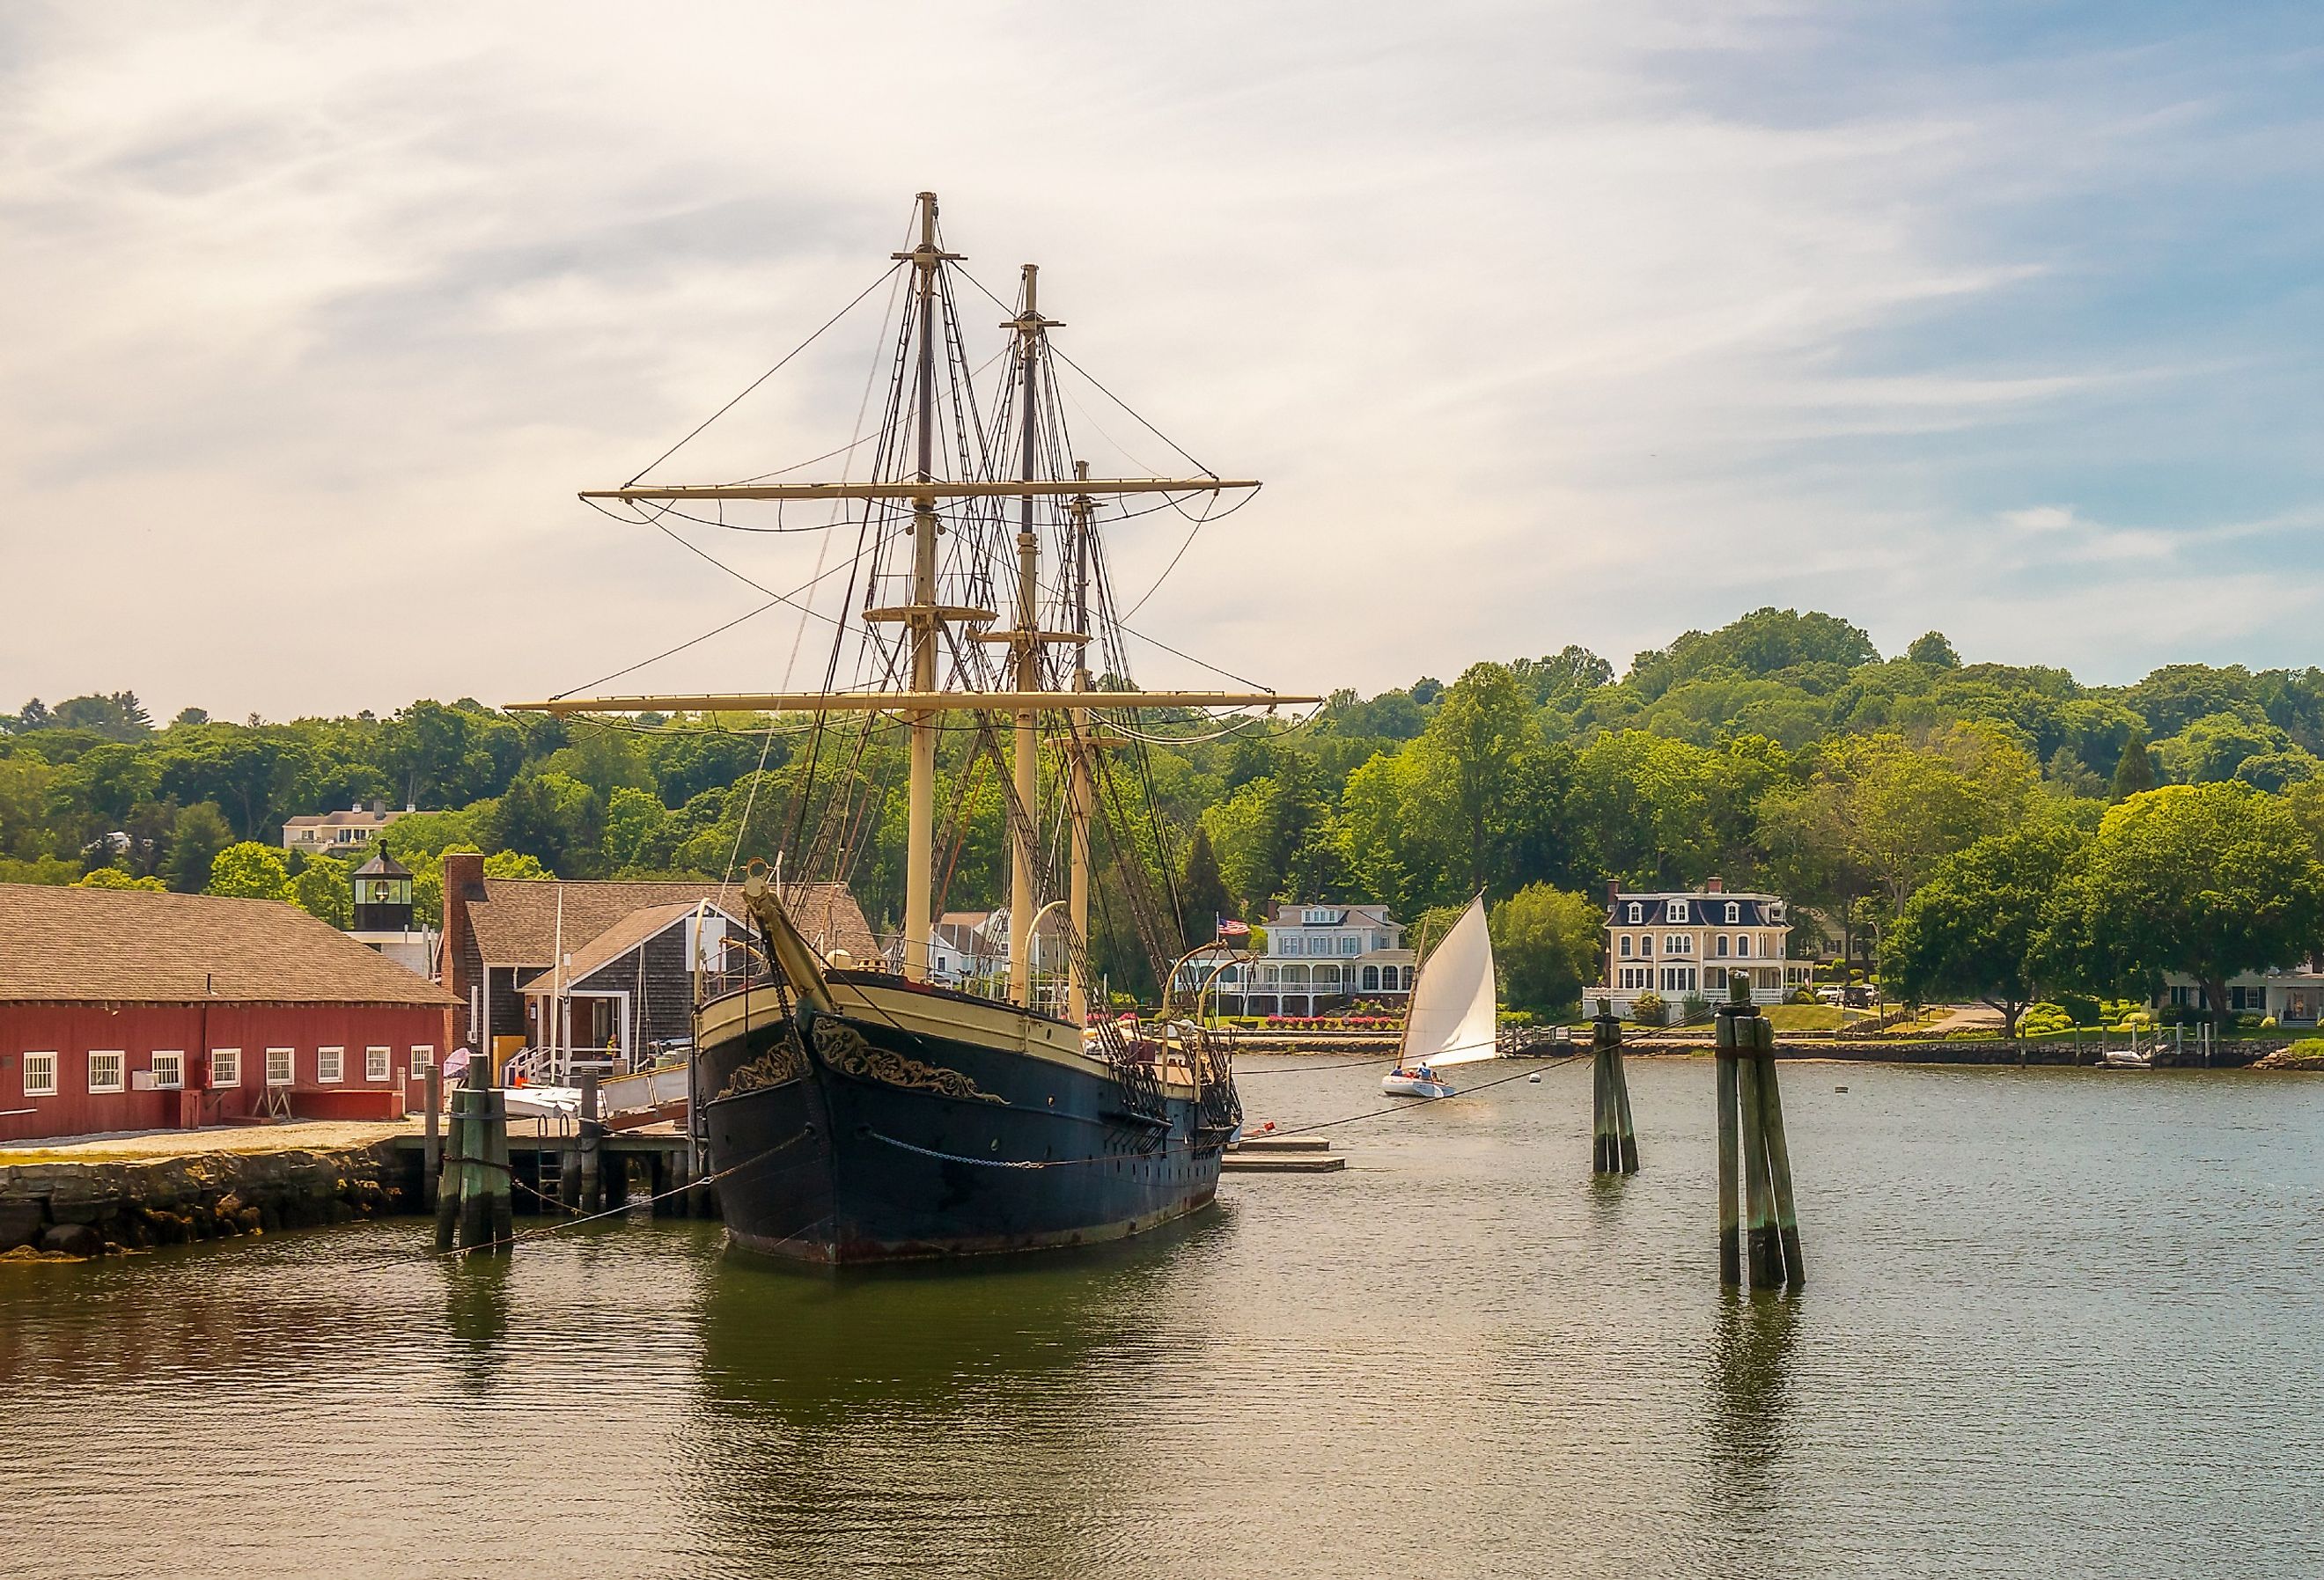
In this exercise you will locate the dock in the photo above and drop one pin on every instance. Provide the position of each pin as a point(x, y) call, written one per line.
point(1282, 1155)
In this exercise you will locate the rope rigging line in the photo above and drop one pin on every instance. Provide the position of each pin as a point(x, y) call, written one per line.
point(884, 274)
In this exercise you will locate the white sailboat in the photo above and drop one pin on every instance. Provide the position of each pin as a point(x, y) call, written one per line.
point(1454, 1014)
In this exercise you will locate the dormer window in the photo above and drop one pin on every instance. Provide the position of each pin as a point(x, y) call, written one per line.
point(1734, 912)
point(1675, 911)
point(1637, 913)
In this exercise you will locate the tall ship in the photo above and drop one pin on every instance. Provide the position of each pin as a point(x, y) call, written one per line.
point(866, 1111)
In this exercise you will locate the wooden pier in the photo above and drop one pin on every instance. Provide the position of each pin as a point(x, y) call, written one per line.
point(1282, 1155)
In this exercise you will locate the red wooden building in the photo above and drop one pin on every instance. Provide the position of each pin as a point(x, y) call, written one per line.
point(125, 1010)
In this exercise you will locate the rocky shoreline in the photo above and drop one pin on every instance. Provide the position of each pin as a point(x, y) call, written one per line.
point(73, 1209)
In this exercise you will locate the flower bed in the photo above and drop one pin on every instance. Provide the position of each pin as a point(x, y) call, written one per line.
point(1335, 1022)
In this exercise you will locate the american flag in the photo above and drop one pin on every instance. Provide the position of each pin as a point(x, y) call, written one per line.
point(1230, 929)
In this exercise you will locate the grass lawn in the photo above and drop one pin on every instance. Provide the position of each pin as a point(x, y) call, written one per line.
point(1803, 1017)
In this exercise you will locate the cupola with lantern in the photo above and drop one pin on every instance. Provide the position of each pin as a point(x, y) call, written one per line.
point(382, 895)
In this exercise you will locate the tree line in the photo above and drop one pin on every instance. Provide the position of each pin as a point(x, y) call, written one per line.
point(1781, 751)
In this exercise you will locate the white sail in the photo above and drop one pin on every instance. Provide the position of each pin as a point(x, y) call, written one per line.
point(1454, 1008)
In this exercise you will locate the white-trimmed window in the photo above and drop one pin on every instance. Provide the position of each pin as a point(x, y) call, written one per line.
point(330, 1064)
point(1624, 947)
point(1718, 946)
point(1674, 910)
point(375, 1064)
point(423, 1056)
point(1679, 944)
point(225, 1067)
point(169, 1069)
point(1637, 913)
point(1743, 943)
point(104, 1070)
point(281, 1066)
point(39, 1074)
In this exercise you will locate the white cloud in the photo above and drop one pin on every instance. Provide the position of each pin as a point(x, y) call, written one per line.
point(1538, 327)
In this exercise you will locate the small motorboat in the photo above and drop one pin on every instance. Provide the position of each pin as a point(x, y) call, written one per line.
point(1422, 1082)
point(1453, 1013)
point(2126, 1058)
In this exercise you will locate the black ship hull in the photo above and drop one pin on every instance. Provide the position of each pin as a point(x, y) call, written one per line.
point(908, 1123)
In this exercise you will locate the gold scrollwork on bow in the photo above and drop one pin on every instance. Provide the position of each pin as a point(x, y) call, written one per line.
point(783, 1062)
point(851, 1053)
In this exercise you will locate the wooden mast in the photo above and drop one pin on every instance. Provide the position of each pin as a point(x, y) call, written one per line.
point(1079, 800)
point(926, 617)
point(927, 620)
point(1024, 826)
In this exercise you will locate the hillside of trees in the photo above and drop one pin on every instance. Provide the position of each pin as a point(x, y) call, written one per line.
point(1781, 751)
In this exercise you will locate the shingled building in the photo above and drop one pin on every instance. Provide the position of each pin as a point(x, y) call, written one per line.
point(629, 950)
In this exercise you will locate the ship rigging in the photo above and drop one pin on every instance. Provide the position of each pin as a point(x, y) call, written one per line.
point(898, 1118)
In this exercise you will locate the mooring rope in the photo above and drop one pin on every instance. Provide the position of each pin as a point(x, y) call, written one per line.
point(626, 1204)
point(1416, 1104)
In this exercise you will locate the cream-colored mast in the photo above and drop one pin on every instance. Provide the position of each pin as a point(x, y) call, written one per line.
point(1079, 798)
point(1024, 827)
point(927, 620)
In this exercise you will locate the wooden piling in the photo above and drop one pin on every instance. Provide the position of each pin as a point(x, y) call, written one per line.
point(592, 1196)
point(1603, 1152)
point(448, 1190)
point(1761, 1241)
point(1625, 1131)
point(1731, 1149)
point(431, 1145)
point(499, 1183)
point(1779, 1157)
point(1614, 1144)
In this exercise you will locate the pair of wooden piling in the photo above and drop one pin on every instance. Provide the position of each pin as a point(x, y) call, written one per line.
point(1755, 1159)
point(1614, 1140)
point(475, 1196)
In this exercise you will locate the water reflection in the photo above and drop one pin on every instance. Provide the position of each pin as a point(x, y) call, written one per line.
point(865, 1420)
point(1751, 1354)
point(477, 1303)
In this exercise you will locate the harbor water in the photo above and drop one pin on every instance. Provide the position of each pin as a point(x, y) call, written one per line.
point(2056, 1322)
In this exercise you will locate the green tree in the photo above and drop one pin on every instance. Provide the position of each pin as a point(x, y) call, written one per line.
point(2135, 771)
point(552, 817)
point(118, 716)
point(1549, 944)
point(1974, 930)
point(2206, 880)
point(196, 839)
point(115, 878)
point(1931, 648)
point(250, 871)
point(1203, 897)
point(324, 889)
point(637, 830)
point(1890, 809)
point(514, 864)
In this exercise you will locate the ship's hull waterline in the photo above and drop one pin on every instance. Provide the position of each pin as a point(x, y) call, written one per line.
point(904, 1123)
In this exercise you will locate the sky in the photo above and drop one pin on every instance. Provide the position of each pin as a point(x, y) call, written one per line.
point(1543, 324)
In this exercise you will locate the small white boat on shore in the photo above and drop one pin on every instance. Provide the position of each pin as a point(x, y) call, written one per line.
point(2125, 1059)
point(1454, 1015)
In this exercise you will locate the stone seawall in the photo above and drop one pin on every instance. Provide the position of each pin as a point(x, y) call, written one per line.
point(76, 1207)
point(1903, 1050)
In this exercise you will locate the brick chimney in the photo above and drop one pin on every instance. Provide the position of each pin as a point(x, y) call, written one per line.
point(1613, 890)
point(463, 882)
point(1714, 885)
